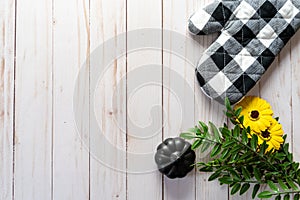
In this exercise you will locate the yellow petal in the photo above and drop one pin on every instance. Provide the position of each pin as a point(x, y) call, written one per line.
point(266, 112)
point(278, 139)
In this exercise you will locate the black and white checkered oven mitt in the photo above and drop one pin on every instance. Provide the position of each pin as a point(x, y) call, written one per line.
point(252, 33)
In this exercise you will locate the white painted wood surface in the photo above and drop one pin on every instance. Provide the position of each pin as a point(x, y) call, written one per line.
point(144, 99)
point(33, 101)
point(70, 159)
point(107, 20)
point(7, 50)
point(148, 92)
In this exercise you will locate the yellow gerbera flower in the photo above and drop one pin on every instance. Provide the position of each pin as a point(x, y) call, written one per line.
point(272, 136)
point(257, 113)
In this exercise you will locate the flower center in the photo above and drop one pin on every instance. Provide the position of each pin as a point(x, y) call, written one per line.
point(265, 134)
point(254, 114)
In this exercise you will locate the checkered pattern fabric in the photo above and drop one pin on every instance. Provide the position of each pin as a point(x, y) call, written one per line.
point(252, 33)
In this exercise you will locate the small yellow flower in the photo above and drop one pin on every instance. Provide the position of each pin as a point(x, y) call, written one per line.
point(257, 113)
point(272, 136)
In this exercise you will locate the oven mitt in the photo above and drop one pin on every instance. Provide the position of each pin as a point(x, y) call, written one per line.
point(252, 33)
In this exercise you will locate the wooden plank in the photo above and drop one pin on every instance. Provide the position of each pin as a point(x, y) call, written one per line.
point(255, 91)
point(108, 22)
point(209, 110)
point(33, 100)
point(71, 49)
point(276, 87)
point(7, 51)
point(179, 57)
point(144, 98)
point(295, 80)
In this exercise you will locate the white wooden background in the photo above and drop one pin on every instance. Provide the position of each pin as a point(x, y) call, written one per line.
point(43, 44)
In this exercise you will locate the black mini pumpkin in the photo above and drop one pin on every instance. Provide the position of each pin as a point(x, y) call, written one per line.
point(174, 157)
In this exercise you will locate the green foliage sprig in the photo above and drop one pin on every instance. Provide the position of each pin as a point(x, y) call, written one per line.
point(238, 161)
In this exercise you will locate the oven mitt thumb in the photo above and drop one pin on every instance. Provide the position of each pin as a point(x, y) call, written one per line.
point(252, 33)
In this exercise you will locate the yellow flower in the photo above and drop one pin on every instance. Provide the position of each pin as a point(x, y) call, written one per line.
point(257, 113)
point(272, 136)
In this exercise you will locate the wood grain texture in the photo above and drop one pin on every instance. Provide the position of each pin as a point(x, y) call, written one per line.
point(7, 51)
point(71, 49)
point(208, 111)
point(144, 99)
point(179, 57)
point(276, 87)
point(33, 100)
point(295, 104)
point(108, 25)
point(295, 94)
point(146, 92)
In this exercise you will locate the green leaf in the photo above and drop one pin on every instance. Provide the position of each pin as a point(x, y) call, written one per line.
point(206, 169)
point(253, 142)
point(236, 131)
point(215, 131)
point(214, 176)
point(235, 149)
point(235, 188)
point(234, 157)
point(257, 173)
point(244, 188)
point(279, 156)
point(233, 121)
point(248, 154)
point(283, 185)
point(234, 174)
point(290, 157)
point(201, 163)
point(248, 129)
point(278, 197)
point(286, 197)
point(246, 173)
point(220, 169)
point(265, 195)
point(229, 114)
point(291, 184)
point(225, 154)
point(296, 197)
point(241, 119)
point(273, 186)
point(228, 143)
point(244, 137)
point(225, 180)
point(193, 130)
point(187, 135)
point(286, 148)
point(285, 165)
point(204, 126)
point(205, 146)
point(295, 166)
point(216, 150)
point(263, 148)
point(255, 190)
point(225, 132)
point(227, 104)
point(238, 111)
point(196, 144)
